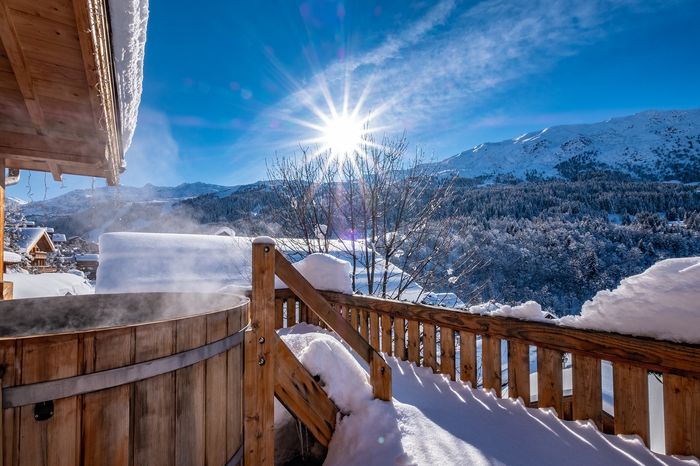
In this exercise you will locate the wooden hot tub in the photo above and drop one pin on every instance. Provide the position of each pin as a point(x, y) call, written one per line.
point(122, 379)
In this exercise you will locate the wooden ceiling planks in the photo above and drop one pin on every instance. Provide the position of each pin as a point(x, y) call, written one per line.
point(58, 100)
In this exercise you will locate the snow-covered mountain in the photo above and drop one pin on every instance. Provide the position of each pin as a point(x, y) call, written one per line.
point(91, 212)
point(80, 199)
point(659, 145)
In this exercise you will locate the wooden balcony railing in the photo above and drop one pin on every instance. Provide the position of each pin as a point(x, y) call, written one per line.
point(272, 371)
point(446, 341)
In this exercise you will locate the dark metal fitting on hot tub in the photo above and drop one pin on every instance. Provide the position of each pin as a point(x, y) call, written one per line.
point(267, 249)
point(261, 361)
point(43, 410)
point(261, 340)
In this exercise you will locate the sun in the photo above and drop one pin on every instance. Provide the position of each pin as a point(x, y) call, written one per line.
point(342, 135)
point(342, 131)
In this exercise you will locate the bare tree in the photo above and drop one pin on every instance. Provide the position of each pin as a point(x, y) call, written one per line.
point(307, 200)
point(381, 208)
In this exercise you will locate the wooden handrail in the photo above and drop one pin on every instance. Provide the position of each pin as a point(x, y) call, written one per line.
point(380, 372)
point(655, 355)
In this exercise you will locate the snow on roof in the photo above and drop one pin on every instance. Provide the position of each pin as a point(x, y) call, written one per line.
point(27, 285)
point(142, 262)
point(10, 257)
point(128, 21)
point(58, 238)
point(87, 257)
point(661, 302)
point(225, 231)
point(28, 237)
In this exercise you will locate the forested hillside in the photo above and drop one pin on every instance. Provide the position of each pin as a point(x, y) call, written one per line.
point(556, 242)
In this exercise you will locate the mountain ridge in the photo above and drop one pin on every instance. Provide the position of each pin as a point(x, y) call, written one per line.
point(650, 145)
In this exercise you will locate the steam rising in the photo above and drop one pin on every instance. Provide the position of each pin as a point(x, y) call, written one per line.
point(75, 313)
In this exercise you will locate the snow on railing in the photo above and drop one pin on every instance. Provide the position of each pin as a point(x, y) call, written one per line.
point(448, 340)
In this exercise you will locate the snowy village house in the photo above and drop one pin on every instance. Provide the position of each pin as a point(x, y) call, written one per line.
point(36, 243)
point(192, 378)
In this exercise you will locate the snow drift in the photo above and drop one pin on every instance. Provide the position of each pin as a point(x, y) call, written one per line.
point(662, 303)
point(27, 285)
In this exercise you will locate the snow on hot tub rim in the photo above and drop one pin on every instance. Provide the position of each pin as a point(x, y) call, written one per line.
point(187, 305)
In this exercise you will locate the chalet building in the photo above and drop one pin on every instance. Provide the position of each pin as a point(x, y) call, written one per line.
point(79, 244)
point(88, 263)
point(58, 238)
point(225, 231)
point(9, 259)
point(36, 243)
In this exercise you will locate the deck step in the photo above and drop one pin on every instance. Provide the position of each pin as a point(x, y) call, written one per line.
point(302, 395)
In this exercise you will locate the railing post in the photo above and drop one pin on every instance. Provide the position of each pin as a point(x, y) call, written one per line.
point(259, 371)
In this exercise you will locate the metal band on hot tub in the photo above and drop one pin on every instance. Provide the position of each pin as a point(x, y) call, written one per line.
point(22, 395)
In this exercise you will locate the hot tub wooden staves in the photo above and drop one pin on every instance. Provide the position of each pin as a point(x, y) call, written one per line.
point(154, 413)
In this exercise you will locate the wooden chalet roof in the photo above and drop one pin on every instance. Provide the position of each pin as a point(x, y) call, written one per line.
point(34, 236)
point(58, 98)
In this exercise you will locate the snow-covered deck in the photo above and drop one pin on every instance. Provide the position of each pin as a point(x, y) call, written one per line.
point(427, 416)
point(432, 420)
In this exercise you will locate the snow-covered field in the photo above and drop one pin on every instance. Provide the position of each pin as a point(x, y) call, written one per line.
point(27, 285)
point(432, 420)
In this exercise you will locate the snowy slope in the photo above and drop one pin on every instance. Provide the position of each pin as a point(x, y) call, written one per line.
point(663, 145)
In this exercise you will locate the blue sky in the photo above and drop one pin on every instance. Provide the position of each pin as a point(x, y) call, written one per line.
point(225, 86)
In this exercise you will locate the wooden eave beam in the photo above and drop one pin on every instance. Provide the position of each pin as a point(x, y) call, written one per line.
point(10, 41)
point(17, 143)
point(95, 46)
point(55, 171)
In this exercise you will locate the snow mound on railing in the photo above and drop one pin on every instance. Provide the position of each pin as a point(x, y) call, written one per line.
point(322, 353)
point(324, 272)
point(663, 302)
point(529, 310)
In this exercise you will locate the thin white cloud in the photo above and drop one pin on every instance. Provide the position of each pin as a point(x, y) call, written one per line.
point(441, 67)
point(154, 154)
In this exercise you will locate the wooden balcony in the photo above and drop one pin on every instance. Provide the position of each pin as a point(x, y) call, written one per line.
point(446, 341)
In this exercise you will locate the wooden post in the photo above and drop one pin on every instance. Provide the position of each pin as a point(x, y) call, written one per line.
point(429, 359)
point(259, 371)
point(631, 399)
point(491, 363)
point(519, 370)
point(2, 227)
point(386, 335)
point(447, 352)
point(467, 358)
point(374, 331)
point(400, 332)
point(682, 415)
point(414, 342)
point(550, 380)
point(587, 391)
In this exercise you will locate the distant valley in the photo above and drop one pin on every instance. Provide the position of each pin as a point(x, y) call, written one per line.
point(553, 216)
